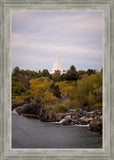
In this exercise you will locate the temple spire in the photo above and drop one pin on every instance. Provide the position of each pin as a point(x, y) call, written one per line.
point(57, 57)
point(57, 65)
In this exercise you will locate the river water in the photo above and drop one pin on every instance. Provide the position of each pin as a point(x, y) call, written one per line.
point(32, 133)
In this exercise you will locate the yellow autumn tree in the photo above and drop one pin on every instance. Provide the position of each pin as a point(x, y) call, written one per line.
point(40, 90)
point(65, 88)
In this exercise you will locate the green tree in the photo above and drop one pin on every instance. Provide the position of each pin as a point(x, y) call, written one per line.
point(64, 76)
point(90, 71)
point(71, 75)
point(16, 70)
point(39, 73)
point(81, 73)
point(57, 72)
point(88, 91)
point(91, 100)
point(45, 73)
point(55, 90)
point(73, 68)
point(56, 77)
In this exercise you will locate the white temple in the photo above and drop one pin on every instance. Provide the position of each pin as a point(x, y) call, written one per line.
point(57, 65)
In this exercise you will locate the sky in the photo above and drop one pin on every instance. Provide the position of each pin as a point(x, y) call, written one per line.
point(36, 37)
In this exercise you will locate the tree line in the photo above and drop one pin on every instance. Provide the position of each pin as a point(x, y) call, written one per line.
point(58, 93)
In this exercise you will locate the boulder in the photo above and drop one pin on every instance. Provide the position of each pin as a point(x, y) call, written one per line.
point(83, 122)
point(67, 121)
point(59, 116)
point(28, 109)
point(44, 115)
point(96, 125)
point(72, 122)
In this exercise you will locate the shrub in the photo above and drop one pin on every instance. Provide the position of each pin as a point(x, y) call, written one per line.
point(55, 90)
point(59, 108)
point(91, 100)
point(48, 107)
point(97, 106)
point(19, 100)
point(56, 78)
point(73, 104)
point(67, 102)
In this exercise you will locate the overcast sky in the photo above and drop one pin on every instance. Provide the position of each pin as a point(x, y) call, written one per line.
point(36, 37)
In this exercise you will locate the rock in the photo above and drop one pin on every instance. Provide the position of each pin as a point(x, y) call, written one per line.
point(73, 116)
point(83, 122)
point(72, 123)
point(59, 116)
point(30, 115)
point(44, 115)
point(78, 122)
point(66, 121)
point(75, 121)
point(28, 109)
point(48, 116)
point(72, 110)
point(96, 125)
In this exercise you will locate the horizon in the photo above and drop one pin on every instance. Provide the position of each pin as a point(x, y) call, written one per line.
point(64, 70)
point(36, 37)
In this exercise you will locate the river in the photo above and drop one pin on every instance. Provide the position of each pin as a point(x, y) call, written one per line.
point(32, 133)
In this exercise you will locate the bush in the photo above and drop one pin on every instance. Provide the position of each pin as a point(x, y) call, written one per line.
point(55, 90)
point(62, 109)
point(66, 102)
point(59, 108)
point(45, 73)
point(19, 100)
point(48, 107)
point(56, 78)
point(88, 91)
point(73, 104)
point(97, 106)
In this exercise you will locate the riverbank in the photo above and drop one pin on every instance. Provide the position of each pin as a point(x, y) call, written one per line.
point(91, 119)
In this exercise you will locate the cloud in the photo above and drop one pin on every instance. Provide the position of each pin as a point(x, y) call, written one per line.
point(27, 21)
point(36, 36)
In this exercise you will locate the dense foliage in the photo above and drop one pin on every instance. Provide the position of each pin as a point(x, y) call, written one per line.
point(58, 93)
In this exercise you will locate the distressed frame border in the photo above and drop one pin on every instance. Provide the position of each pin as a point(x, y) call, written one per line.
point(107, 8)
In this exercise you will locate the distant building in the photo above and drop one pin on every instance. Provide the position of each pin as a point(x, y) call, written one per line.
point(57, 66)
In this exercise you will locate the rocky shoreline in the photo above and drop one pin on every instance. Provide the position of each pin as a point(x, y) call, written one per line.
point(92, 119)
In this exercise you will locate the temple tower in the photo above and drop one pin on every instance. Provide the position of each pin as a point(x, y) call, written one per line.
point(57, 65)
